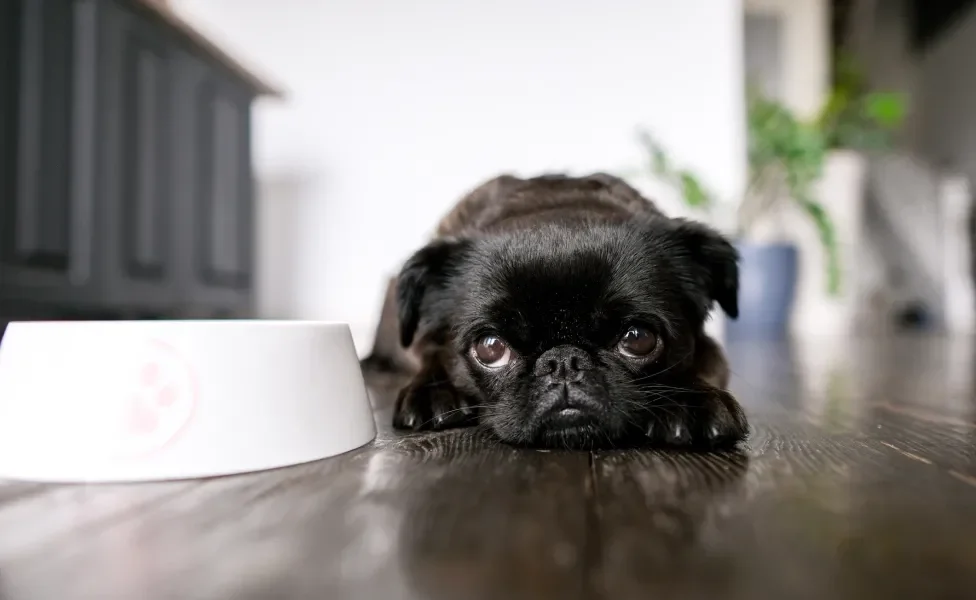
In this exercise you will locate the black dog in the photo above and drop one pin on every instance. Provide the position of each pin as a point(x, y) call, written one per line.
point(564, 311)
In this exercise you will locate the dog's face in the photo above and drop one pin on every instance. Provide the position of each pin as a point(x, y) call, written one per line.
point(567, 335)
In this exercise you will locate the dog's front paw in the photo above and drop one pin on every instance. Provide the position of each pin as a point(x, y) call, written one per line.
point(705, 417)
point(426, 405)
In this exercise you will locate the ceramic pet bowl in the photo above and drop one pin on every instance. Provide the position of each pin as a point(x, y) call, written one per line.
point(103, 401)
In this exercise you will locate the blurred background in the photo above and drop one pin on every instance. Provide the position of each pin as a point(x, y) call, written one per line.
point(249, 158)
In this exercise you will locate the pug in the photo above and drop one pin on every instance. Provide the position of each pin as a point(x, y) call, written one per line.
point(566, 312)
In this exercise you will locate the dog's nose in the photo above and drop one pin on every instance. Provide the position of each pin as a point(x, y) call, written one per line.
point(563, 363)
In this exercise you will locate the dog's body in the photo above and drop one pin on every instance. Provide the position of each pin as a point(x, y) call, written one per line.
point(564, 311)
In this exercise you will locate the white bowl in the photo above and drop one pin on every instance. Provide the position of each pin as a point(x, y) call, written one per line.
point(103, 401)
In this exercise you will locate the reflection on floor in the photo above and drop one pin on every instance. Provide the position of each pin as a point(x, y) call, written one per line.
point(859, 481)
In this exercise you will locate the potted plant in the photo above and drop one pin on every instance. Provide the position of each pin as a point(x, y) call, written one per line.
point(787, 158)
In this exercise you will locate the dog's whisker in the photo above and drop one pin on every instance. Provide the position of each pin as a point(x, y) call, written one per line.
point(457, 410)
point(676, 363)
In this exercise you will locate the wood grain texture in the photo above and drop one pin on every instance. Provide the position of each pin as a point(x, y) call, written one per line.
point(858, 481)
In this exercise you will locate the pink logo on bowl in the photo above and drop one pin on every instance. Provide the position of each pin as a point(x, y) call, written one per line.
point(161, 397)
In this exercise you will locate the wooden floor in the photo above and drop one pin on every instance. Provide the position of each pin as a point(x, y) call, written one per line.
point(859, 482)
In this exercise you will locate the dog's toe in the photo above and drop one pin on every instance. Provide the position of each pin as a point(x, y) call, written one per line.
point(425, 406)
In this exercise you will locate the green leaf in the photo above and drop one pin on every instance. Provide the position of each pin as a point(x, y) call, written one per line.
point(886, 109)
point(658, 158)
point(828, 237)
point(691, 188)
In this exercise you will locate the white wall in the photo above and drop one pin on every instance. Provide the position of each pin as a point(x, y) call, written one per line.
point(397, 108)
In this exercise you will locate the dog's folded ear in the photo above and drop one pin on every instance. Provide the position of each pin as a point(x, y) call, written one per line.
point(422, 281)
point(716, 264)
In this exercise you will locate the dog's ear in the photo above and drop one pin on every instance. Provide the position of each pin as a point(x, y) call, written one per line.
point(421, 278)
point(716, 264)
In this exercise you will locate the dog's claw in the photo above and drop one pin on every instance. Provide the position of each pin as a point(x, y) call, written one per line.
point(679, 435)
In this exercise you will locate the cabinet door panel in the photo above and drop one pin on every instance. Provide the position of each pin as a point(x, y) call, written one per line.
point(223, 189)
point(11, 16)
point(46, 216)
point(137, 126)
point(215, 179)
point(145, 160)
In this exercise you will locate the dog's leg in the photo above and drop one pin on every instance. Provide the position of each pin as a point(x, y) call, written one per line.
point(699, 412)
point(430, 401)
point(710, 362)
point(697, 415)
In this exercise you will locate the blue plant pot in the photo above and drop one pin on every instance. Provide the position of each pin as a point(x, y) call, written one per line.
point(767, 287)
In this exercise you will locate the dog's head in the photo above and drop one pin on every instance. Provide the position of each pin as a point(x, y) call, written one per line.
point(566, 333)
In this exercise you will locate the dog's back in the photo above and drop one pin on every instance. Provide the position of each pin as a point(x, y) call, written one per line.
point(507, 200)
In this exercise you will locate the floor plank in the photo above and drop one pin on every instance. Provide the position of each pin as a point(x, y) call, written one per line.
point(868, 493)
point(413, 517)
point(859, 481)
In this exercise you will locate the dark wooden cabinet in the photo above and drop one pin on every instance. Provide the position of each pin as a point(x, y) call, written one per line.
point(47, 208)
point(216, 188)
point(125, 165)
point(138, 68)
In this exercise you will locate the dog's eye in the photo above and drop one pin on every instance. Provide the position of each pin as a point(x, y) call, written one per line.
point(492, 352)
point(637, 342)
